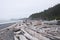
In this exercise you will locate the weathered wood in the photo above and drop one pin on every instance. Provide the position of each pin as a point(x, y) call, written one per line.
point(6, 35)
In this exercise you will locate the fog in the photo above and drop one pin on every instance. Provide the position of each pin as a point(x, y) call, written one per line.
point(23, 8)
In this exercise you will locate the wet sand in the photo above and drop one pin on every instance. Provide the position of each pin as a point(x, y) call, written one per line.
point(5, 25)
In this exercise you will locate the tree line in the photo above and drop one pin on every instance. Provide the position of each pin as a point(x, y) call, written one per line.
point(49, 14)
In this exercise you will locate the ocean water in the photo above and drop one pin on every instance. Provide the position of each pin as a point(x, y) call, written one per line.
point(4, 24)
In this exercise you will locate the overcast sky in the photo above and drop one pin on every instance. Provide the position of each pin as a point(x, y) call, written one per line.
point(23, 8)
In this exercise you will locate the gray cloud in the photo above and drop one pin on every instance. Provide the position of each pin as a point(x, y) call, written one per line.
point(23, 8)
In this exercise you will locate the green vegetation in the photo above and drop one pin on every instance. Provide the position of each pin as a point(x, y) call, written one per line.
point(50, 14)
